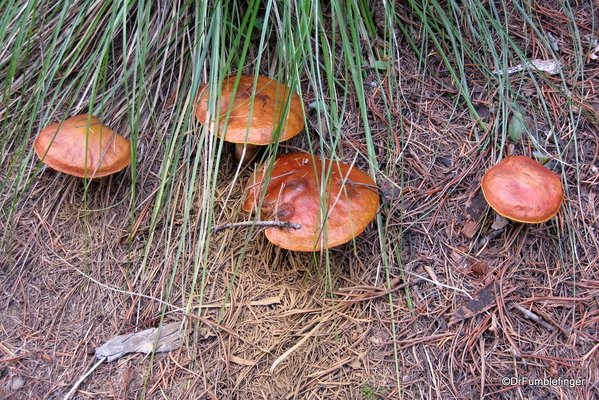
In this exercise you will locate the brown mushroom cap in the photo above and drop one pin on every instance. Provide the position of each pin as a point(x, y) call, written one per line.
point(270, 101)
point(83, 147)
point(350, 201)
point(521, 189)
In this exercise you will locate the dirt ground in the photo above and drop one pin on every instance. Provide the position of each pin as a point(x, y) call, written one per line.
point(435, 300)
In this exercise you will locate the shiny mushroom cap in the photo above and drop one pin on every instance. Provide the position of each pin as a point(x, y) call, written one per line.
point(83, 147)
point(299, 192)
point(270, 99)
point(521, 189)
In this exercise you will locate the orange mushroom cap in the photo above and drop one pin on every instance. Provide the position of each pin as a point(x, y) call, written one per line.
point(521, 189)
point(83, 147)
point(269, 102)
point(348, 203)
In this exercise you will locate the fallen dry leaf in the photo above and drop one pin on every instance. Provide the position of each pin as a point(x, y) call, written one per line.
point(170, 338)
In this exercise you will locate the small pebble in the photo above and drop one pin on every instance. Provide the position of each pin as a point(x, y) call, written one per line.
point(15, 383)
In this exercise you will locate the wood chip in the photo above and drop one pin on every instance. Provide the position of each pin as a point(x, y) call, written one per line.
point(483, 300)
point(241, 361)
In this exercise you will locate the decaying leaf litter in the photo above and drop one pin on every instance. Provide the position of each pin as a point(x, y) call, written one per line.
point(430, 301)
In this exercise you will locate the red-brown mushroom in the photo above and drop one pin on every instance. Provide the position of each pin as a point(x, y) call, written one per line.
point(332, 201)
point(252, 114)
point(83, 147)
point(521, 189)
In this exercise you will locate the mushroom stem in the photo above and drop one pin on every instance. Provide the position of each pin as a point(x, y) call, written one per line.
point(245, 153)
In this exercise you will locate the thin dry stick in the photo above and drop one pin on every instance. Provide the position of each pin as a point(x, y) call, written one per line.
point(286, 354)
point(590, 353)
point(175, 308)
point(279, 224)
point(530, 315)
point(264, 302)
point(80, 380)
point(441, 284)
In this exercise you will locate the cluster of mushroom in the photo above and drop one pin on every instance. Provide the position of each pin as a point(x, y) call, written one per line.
point(330, 201)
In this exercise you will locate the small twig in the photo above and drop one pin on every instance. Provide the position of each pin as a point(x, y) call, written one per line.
point(530, 315)
point(441, 284)
point(286, 354)
point(279, 224)
point(374, 188)
point(86, 125)
point(176, 309)
point(81, 379)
